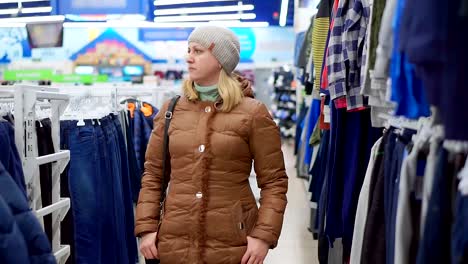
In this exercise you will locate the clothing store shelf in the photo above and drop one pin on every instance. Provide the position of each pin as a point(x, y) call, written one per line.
point(62, 254)
point(64, 154)
point(7, 93)
point(52, 96)
point(63, 206)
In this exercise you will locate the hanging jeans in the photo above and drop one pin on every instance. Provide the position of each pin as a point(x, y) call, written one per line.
point(394, 153)
point(127, 193)
point(113, 178)
point(67, 228)
point(84, 190)
point(45, 147)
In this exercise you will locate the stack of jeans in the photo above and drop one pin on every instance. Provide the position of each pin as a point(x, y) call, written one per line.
point(99, 186)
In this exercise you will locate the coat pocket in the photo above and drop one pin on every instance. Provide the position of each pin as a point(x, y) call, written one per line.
point(239, 222)
point(244, 221)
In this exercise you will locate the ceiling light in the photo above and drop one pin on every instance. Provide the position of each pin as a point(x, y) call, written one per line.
point(204, 17)
point(32, 10)
point(211, 9)
point(11, 11)
point(32, 19)
point(16, 1)
point(284, 12)
point(178, 2)
point(147, 24)
point(12, 25)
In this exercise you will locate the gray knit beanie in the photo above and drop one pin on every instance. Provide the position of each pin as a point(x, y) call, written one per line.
point(222, 42)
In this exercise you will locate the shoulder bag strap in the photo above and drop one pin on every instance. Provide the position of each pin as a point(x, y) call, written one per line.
point(166, 168)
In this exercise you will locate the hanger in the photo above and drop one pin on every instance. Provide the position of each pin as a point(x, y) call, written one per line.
point(463, 177)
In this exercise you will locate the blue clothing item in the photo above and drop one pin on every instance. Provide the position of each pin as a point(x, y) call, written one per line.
point(407, 88)
point(300, 128)
point(107, 215)
point(114, 178)
point(434, 246)
point(100, 192)
point(319, 169)
point(85, 190)
point(10, 157)
point(460, 231)
point(360, 136)
point(314, 114)
point(444, 35)
point(297, 48)
point(142, 127)
point(38, 246)
point(393, 162)
point(127, 194)
point(13, 247)
point(134, 167)
point(335, 172)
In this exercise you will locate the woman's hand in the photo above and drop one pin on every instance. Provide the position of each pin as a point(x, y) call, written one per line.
point(257, 250)
point(148, 246)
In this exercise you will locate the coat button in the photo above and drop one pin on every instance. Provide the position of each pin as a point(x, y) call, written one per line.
point(207, 109)
point(201, 148)
point(199, 195)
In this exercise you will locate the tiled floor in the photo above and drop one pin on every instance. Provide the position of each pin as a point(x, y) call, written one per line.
point(296, 245)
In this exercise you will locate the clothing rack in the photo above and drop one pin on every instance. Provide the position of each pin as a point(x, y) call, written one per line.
point(157, 94)
point(26, 98)
point(400, 122)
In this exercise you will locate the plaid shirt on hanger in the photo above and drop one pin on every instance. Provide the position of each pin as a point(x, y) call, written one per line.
point(345, 52)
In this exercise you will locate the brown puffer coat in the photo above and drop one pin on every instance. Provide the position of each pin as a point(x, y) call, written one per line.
point(210, 208)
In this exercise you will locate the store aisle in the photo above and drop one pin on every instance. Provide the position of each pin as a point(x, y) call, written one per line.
point(296, 245)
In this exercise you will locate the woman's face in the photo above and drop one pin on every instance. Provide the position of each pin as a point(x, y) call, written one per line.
point(203, 67)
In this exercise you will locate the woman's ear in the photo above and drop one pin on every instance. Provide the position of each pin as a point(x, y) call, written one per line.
point(219, 66)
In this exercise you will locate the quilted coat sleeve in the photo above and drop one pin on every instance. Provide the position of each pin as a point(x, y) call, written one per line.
point(265, 146)
point(148, 207)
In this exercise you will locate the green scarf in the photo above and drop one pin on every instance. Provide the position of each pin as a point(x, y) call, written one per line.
point(207, 93)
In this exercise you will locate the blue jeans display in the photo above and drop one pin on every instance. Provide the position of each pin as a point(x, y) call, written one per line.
point(100, 192)
point(84, 190)
point(127, 194)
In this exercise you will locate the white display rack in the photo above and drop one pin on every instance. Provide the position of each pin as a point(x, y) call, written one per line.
point(25, 98)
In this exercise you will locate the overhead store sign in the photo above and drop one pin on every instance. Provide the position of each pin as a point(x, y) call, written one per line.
point(75, 78)
point(37, 75)
point(164, 34)
point(101, 7)
point(27, 75)
point(246, 38)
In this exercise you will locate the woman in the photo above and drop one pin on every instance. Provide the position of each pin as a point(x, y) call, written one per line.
point(210, 213)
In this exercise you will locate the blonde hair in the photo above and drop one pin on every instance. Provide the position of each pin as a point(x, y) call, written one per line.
point(228, 87)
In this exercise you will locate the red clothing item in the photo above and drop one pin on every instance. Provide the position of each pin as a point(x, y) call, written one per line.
point(323, 125)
